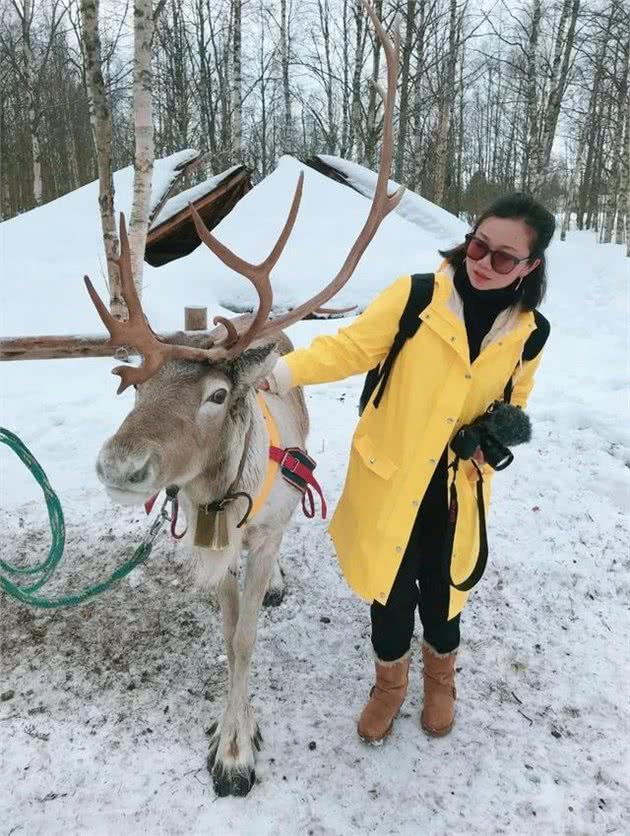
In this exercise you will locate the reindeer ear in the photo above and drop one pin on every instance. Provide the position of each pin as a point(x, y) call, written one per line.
point(252, 364)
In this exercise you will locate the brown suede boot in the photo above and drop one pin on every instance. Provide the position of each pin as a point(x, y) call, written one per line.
point(438, 713)
point(386, 697)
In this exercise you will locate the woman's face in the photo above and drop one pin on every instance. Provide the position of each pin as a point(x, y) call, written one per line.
point(510, 235)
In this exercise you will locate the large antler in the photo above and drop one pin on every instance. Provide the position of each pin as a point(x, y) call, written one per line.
point(136, 331)
point(382, 205)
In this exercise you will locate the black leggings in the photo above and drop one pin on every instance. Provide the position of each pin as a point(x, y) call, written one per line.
point(420, 583)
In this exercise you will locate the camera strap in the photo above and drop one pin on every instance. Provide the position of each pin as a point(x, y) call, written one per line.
point(449, 538)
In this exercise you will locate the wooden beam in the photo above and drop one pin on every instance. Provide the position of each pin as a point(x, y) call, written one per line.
point(71, 346)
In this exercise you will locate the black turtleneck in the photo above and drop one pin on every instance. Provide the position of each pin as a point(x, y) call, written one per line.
point(481, 308)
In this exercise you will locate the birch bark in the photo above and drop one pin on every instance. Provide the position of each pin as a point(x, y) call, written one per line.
point(563, 53)
point(624, 149)
point(25, 13)
point(143, 128)
point(285, 42)
point(403, 113)
point(101, 120)
point(355, 109)
point(237, 102)
point(532, 153)
point(446, 106)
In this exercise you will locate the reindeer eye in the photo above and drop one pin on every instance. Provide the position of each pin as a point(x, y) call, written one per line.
point(217, 397)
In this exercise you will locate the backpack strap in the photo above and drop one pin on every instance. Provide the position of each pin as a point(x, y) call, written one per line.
point(420, 295)
point(532, 348)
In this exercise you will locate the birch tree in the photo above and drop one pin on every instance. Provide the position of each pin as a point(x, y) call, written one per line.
point(285, 44)
point(557, 83)
point(446, 106)
point(236, 98)
point(143, 129)
point(101, 119)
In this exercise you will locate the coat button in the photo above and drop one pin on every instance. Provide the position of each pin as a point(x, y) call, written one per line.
point(415, 503)
point(450, 420)
point(432, 461)
point(399, 549)
point(468, 376)
point(372, 460)
point(452, 339)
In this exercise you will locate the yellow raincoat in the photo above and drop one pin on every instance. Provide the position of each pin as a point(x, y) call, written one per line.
point(432, 391)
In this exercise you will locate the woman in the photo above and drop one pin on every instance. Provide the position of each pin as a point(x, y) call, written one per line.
point(390, 524)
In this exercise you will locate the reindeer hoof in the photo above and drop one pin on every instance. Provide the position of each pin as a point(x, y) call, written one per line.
point(273, 597)
point(232, 783)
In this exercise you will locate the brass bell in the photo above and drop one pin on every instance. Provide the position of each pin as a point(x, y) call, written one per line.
point(212, 531)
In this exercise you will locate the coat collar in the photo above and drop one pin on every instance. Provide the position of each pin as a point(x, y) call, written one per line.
point(445, 315)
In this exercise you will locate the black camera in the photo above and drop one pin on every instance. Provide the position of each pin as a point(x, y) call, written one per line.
point(502, 426)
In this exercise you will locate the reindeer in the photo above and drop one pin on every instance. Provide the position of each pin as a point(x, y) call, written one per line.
point(198, 424)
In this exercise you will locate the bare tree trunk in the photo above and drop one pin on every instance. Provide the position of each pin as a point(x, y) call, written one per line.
point(446, 105)
point(371, 128)
point(624, 150)
point(345, 81)
point(101, 119)
point(417, 99)
point(143, 127)
point(285, 41)
point(26, 20)
point(355, 111)
point(573, 186)
point(532, 154)
point(624, 183)
point(237, 103)
point(611, 200)
point(403, 112)
point(563, 51)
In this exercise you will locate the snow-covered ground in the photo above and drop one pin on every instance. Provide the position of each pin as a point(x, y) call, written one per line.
point(104, 708)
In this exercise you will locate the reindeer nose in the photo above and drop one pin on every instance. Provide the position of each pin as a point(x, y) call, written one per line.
point(115, 471)
point(140, 475)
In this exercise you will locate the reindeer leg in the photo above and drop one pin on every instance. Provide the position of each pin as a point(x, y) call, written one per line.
point(233, 771)
point(277, 586)
point(228, 597)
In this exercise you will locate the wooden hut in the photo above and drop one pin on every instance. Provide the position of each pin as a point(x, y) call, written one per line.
point(172, 234)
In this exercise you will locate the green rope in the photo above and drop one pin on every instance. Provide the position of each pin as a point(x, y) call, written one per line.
point(45, 569)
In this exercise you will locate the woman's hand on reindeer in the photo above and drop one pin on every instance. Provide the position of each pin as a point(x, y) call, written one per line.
point(278, 381)
point(479, 457)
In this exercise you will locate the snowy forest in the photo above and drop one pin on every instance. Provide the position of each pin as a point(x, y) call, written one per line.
point(492, 96)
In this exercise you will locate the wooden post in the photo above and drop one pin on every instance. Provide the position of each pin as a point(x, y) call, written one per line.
point(195, 318)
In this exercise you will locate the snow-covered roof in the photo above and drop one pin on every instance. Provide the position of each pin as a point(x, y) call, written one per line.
point(413, 207)
point(165, 172)
point(180, 201)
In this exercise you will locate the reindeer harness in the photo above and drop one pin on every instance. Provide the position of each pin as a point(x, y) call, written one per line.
point(294, 464)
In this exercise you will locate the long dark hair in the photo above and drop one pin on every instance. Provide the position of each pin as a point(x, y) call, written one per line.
point(522, 207)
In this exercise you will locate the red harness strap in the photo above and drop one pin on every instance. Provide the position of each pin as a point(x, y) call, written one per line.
point(297, 468)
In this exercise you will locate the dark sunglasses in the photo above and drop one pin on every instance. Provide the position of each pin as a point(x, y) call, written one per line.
point(501, 261)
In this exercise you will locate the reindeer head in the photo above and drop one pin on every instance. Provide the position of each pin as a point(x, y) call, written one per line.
point(184, 424)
